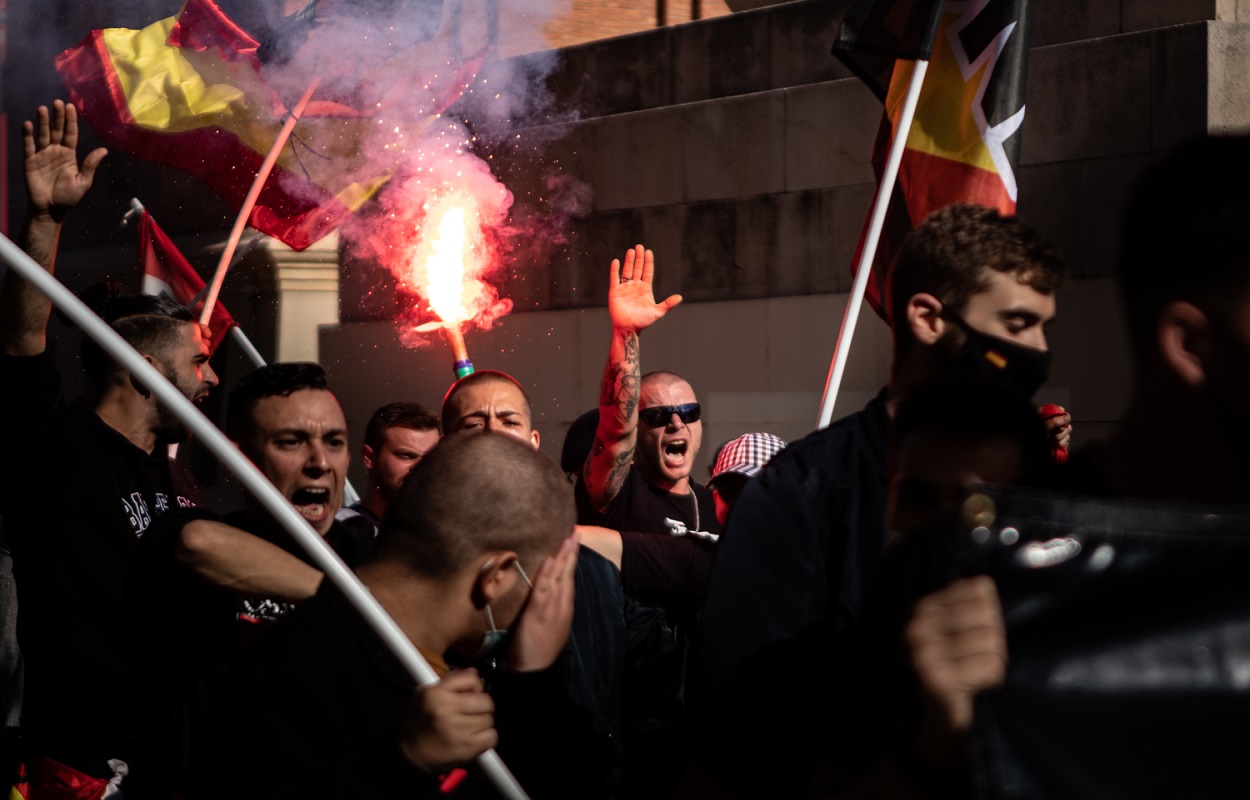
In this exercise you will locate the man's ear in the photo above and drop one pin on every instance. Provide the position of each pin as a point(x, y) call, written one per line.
point(1184, 341)
point(534, 438)
point(366, 455)
point(139, 387)
point(924, 318)
point(495, 577)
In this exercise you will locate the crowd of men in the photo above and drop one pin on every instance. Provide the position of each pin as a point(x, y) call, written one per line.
point(615, 628)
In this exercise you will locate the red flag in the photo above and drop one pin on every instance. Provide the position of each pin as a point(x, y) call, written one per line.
point(167, 272)
point(964, 143)
point(189, 91)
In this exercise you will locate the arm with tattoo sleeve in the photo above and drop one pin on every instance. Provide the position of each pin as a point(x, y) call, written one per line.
point(632, 307)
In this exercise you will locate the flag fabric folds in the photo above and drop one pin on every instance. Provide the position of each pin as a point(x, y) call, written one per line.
point(873, 35)
point(964, 143)
point(190, 91)
point(167, 272)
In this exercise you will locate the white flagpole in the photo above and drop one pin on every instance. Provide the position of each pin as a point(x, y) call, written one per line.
point(317, 548)
point(253, 355)
point(885, 191)
point(214, 288)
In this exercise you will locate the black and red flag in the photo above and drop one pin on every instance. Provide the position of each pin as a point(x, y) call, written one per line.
point(167, 272)
point(964, 142)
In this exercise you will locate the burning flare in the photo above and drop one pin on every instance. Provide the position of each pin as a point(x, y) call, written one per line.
point(445, 269)
point(441, 271)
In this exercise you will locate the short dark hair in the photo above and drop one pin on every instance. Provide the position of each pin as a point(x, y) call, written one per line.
point(150, 324)
point(398, 415)
point(976, 409)
point(483, 376)
point(473, 494)
point(950, 253)
point(1186, 234)
point(272, 380)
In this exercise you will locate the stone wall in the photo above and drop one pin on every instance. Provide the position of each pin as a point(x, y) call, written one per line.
point(738, 149)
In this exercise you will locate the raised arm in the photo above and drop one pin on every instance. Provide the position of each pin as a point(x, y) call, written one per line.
point(633, 309)
point(54, 184)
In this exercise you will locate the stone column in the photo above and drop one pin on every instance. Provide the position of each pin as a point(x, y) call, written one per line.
point(308, 296)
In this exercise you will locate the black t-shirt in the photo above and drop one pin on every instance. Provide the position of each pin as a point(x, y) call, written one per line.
point(661, 565)
point(639, 506)
point(668, 572)
point(77, 497)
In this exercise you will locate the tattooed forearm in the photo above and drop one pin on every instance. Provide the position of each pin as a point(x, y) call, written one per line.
point(612, 454)
point(616, 478)
point(621, 378)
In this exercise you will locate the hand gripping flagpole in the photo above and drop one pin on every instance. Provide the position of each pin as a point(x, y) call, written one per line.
point(249, 202)
point(885, 191)
point(255, 482)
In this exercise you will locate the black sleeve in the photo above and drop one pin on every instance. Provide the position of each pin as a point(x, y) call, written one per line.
point(654, 666)
point(770, 579)
point(160, 542)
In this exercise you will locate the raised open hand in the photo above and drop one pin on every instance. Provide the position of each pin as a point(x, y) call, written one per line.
point(54, 180)
point(631, 303)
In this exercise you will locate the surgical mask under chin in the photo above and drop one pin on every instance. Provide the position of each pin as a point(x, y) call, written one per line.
point(1023, 368)
point(495, 642)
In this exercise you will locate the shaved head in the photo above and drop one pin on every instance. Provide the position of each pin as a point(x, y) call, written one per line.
point(451, 404)
point(661, 378)
point(472, 495)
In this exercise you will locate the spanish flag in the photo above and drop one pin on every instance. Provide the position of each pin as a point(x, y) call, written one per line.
point(964, 143)
point(190, 91)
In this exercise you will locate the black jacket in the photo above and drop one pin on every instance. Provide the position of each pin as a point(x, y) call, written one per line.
point(315, 710)
point(621, 662)
point(802, 544)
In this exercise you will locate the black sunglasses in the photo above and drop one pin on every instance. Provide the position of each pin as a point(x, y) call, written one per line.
point(658, 416)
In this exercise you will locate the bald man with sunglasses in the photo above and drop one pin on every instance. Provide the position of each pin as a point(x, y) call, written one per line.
point(637, 476)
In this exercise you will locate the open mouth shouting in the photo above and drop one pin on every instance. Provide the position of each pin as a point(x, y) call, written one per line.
point(313, 504)
point(675, 453)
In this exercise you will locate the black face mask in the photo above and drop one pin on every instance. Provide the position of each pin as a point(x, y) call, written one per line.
point(1025, 369)
point(1227, 386)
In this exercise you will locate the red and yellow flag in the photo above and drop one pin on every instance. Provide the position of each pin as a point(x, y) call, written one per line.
point(964, 142)
point(190, 91)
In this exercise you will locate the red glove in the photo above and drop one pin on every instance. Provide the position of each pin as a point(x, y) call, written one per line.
point(1050, 411)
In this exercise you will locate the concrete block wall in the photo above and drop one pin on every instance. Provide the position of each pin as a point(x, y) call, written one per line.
point(738, 149)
